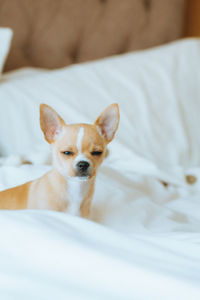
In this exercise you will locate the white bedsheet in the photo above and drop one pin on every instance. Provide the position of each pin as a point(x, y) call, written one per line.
point(144, 239)
point(49, 255)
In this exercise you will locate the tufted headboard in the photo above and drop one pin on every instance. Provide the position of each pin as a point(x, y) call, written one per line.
point(57, 33)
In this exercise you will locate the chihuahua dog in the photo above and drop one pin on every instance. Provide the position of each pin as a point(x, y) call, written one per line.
point(77, 152)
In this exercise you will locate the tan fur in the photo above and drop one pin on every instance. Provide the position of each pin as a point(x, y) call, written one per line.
point(56, 189)
point(15, 198)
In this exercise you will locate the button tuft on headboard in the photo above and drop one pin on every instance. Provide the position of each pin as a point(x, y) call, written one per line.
point(74, 55)
point(147, 4)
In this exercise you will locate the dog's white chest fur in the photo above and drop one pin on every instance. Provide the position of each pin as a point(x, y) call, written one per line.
point(77, 191)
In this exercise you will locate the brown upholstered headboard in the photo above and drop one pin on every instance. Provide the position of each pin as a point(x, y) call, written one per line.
point(56, 33)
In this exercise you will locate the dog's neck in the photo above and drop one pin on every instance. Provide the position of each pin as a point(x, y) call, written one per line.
point(74, 193)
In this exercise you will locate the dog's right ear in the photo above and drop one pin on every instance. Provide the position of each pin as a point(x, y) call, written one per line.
point(50, 122)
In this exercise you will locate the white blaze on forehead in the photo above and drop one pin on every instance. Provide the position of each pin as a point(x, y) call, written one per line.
point(79, 143)
point(80, 140)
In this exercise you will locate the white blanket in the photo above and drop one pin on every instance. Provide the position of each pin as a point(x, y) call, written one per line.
point(49, 255)
point(145, 241)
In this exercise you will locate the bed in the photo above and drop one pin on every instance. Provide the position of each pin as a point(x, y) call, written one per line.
point(143, 238)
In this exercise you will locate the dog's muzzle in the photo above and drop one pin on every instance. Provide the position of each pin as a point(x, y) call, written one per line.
point(83, 168)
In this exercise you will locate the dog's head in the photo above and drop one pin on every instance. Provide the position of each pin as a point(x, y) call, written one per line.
point(78, 149)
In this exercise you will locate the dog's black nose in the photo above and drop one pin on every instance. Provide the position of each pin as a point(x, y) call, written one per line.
point(83, 166)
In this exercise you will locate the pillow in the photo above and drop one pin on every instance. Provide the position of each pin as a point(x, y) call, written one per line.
point(5, 40)
point(159, 96)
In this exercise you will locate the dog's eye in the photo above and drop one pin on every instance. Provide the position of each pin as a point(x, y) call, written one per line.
point(69, 153)
point(96, 153)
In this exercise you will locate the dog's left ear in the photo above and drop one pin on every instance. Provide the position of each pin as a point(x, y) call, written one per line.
point(108, 122)
point(50, 122)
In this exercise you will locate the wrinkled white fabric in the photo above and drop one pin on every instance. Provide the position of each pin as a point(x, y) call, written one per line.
point(48, 255)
